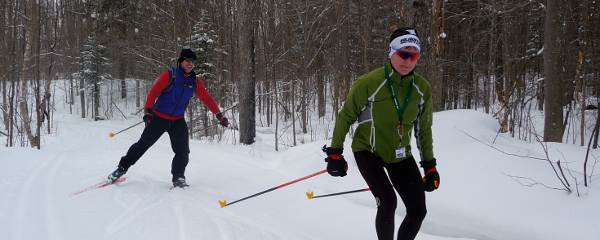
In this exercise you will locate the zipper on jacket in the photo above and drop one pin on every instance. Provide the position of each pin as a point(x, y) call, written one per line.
point(180, 96)
point(177, 102)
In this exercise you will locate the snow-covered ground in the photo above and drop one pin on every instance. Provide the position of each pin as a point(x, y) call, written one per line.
point(478, 198)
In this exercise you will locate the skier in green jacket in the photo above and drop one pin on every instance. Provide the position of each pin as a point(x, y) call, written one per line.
point(388, 103)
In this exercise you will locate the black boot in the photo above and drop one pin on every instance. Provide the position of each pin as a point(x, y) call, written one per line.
point(180, 182)
point(116, 174)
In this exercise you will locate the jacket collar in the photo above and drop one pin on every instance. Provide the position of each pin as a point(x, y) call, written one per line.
point(180, 72)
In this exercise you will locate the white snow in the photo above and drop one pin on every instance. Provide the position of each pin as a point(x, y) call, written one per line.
point(477, 198)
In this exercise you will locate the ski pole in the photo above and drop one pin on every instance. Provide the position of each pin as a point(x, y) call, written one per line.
point(311, 195)
point(223, 203)
point(111, 135)
point(222, 111)
point(209, 126)
point(213, 125)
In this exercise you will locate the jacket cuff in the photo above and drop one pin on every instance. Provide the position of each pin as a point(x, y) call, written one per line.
point(332, 150)
point(428, 164)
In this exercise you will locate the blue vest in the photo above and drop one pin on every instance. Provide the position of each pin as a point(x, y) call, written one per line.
point(175, 98)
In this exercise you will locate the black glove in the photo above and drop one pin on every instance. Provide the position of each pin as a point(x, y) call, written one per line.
point(431, 180)
point(336, 164)
point(222, 120)
point(148, 115)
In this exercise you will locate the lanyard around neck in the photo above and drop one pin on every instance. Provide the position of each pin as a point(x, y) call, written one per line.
point(399, 110)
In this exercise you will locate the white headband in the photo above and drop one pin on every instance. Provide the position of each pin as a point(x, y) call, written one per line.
point(404, 41)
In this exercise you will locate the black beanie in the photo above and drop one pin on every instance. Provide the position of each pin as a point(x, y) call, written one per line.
point(403, 31)
point(186, 53)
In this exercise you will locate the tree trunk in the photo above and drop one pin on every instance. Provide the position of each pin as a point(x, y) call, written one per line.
point(26, 74)
point(580, 93)
point(47, 110)
point(553, 126)
point(38, 101)
point(96, 97)
point(276, 93)
point(11, 112)
point(138, 92)
point(502, 94)
point(342, 81)
point(321, 95)
point(246, 40)
point(24, 112)
point(436, 72)
point(304, 103)
point(4, 105)
point(122, 74)
point(582, 42)
point(487, 84)
point(293, 110)
point(71, 94)
point(514, 50)
point(82, 96)
point(595, 145)
point(13, 74)
point(3, 62)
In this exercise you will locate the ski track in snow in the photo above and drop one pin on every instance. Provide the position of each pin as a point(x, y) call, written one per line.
point(32, 201)
point(158, 197)
point(133, 210)
point(237, 227)
point(50, 169)
point(180, 220)
point(23, 204)
point(52, 221)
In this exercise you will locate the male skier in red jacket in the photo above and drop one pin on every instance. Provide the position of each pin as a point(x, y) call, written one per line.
point(164, 112)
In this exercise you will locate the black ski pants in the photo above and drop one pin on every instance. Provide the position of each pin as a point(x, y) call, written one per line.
point(405, 177)
point(178, 133)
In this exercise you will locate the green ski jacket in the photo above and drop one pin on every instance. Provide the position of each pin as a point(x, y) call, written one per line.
point(378, 131)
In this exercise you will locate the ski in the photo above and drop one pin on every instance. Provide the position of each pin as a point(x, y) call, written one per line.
point(100, 185)
point(173, 187)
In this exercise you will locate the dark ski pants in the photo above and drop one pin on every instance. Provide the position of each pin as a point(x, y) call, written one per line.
point(178, 132)
point(406, 179)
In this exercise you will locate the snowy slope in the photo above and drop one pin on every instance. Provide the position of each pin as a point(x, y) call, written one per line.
point(477, 199)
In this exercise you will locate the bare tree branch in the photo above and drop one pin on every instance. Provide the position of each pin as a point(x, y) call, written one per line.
point(498, 149)
point(532, 182)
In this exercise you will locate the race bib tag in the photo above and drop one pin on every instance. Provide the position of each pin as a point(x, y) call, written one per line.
point(400, 153)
